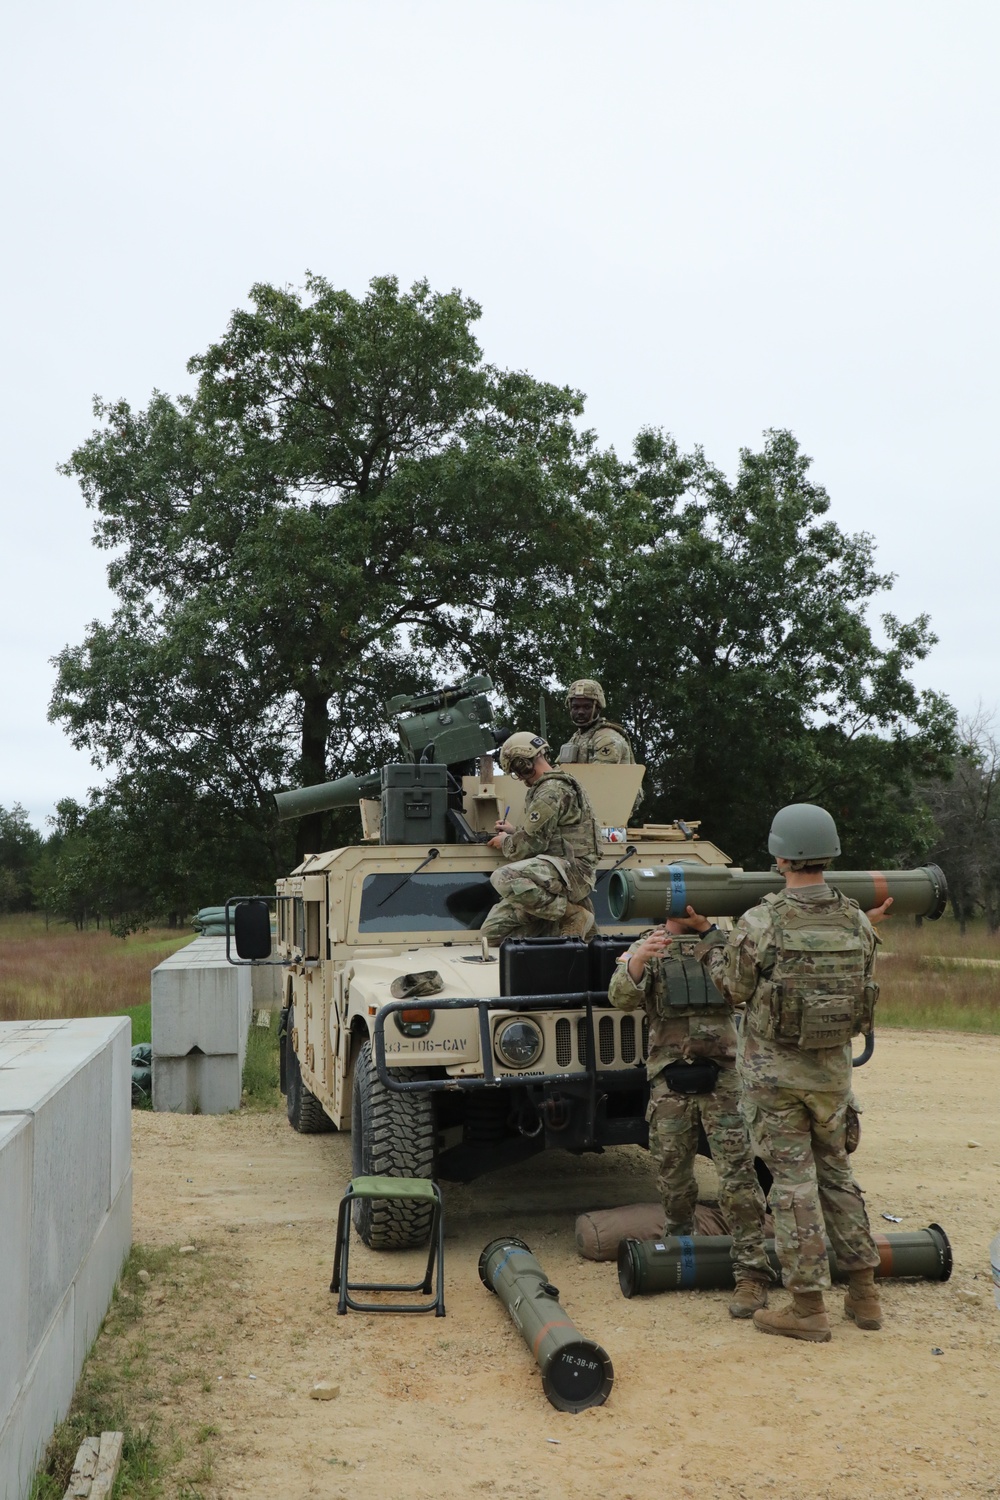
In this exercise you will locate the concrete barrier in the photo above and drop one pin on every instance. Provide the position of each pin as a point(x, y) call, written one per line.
point(201, 1008)
point(66, 1217)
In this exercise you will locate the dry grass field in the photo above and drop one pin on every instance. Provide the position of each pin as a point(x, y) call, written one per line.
point(933, 978)
point(56, 971)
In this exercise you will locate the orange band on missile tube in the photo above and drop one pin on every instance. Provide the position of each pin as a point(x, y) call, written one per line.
point(884, 1249)
point(556, 1323)
point(881, 887)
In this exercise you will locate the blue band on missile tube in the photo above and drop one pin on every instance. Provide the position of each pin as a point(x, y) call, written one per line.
point(512, 1250)
point(687, 1262)
point(678, 891)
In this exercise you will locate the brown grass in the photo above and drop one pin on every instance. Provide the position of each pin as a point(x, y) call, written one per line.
point(59, 972)
point(922, 986)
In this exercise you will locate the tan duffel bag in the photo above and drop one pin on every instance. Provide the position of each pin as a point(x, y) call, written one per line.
point(599, 1234)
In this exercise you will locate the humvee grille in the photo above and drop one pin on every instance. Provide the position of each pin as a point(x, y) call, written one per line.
point(564, 1043)
point(616, 1040)
point(627, 1039)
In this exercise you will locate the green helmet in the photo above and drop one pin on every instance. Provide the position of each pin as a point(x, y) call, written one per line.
point(586, 687)
point(519, 753)
point(803, 831)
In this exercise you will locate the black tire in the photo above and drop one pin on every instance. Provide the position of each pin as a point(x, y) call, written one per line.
point(305, 1113)
point(392, 1135)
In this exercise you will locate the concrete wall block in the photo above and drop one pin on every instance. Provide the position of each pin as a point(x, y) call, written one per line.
point(197, 1084)
point(121, 1109)
point(72, 1185)
point(100, 1270)
point(199, 1000)
point(15, 1217)
point(42, 1400)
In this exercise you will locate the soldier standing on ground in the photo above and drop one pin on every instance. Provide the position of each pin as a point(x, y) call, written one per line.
point(596, 738)
point(803, 962)
point(692, 1075)
point(545, 889)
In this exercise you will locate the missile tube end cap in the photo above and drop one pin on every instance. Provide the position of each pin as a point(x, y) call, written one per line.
point(629, 1270)
point(944, 1251)
point(578, 1375)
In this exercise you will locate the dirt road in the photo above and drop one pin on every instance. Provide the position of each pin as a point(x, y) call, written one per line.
point(702, 1405)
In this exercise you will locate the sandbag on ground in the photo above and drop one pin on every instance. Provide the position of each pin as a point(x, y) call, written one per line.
point(599, 1234)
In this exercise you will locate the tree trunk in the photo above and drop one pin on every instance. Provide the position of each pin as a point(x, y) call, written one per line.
point(315, 737)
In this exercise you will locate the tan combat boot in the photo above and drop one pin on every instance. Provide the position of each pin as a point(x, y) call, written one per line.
point(749, 1297)
point(861, 1300)
point(577, 922)
point(806, 1319)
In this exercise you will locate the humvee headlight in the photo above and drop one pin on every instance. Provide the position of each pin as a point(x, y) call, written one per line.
point(518, 1043)
point(414, 1023)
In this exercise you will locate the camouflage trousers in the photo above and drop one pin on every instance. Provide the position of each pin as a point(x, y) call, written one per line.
point(673, 1140)
point(535, 903)
point(802, 1136)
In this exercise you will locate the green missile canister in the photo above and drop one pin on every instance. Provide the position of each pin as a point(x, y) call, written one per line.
point(654, 893)
point(576, 1372)
point(703, 1262)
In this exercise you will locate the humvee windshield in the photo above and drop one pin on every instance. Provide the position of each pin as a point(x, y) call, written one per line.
point(454, 902)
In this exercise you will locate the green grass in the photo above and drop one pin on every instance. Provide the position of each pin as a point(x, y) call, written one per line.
point(260, 1067)
point(141, 1017)
point(922, 990)
point(133, 1367)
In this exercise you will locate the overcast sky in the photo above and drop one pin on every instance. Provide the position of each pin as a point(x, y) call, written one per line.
point(716, 216)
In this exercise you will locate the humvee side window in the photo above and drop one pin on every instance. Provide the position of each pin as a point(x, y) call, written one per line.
point(447, 903)
point(425, 903)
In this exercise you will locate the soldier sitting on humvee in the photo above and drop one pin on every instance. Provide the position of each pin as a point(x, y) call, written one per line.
point(545, 890)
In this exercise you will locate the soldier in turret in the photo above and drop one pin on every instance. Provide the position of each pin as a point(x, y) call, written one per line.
point(545, 889)
point(596, 738)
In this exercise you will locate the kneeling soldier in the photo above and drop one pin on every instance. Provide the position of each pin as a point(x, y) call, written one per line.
point(692, 1074)
point(546, 888)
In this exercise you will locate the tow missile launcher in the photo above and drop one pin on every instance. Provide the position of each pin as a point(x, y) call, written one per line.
point(440, 734)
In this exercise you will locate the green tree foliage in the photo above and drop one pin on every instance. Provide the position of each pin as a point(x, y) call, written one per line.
point(352, 503)
point(20, 849)
point(966, 811)
point(735, 635)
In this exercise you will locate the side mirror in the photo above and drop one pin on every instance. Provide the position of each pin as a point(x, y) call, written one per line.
point(252, 929)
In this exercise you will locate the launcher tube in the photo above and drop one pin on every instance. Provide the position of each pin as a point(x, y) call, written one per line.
point(704, 1262)
point(656, 892)
point(576, 1372)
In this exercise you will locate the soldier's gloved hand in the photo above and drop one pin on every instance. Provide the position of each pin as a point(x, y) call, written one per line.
point(653, 945)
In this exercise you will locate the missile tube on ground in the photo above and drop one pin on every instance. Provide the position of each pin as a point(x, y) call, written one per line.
point(704, 1262)
point(576, 1371)
point(661, 891)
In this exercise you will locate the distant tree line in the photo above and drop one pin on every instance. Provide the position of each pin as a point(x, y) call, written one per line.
point(353, 503)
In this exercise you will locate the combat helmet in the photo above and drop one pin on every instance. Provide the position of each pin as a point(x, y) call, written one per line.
point(803, 831)
point(519, 752)
point(586, 687)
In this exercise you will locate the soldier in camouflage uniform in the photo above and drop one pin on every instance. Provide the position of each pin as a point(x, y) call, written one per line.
point(596, 738)
point(545, 890)
point(803, 963)
point(692, 1043)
